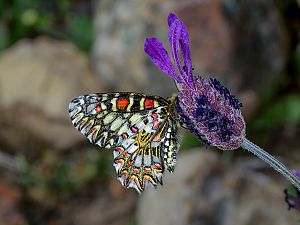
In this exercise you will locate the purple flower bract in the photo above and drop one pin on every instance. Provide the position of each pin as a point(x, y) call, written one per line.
point(205, 106)
point(293, 199)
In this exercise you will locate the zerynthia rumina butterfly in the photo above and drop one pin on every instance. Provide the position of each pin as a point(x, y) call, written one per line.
point(142, 129)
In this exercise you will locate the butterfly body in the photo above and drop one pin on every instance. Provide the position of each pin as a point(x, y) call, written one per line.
point(141, 128)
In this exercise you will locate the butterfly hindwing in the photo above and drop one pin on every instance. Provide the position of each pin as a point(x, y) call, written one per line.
point(138, 157)
point(170, 146)
point(139, 126)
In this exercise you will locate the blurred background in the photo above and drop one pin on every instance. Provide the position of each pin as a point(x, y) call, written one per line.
point(53, 51)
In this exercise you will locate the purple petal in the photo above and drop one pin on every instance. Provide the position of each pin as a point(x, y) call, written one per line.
point(174, 36)
point(178, 36)
point(159, 55)
point(296, 173)
point(171, 18)
point(185, 49)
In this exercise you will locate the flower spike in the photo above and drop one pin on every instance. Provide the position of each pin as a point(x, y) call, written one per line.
point(205, 107)
point(292, 196)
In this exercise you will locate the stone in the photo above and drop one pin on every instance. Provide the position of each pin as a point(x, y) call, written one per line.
point(242, 43)
point(118, 52)
point(203, 191)
point(38, 79)
point(98, 207)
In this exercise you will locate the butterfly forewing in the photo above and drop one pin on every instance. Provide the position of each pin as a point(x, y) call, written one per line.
point(104, 117)
point(139, 126)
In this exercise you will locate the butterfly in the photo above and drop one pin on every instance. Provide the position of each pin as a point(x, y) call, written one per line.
point(142, 129)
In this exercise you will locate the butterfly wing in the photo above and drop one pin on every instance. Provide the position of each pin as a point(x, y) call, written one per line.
point(104, 117)
point(139, 126)
point(139, 155)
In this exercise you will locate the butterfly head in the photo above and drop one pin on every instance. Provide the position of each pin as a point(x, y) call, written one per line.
point(205, 106)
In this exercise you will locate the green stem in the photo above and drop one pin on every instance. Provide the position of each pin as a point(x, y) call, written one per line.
point(272, 161)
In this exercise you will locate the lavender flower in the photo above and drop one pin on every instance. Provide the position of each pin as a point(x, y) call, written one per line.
point(292, 195)
point(204, 105)
point(206, 108)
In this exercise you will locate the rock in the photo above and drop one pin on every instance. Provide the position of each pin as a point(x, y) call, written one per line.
point(97, 207)
point(171, 203)
point(202, 191)
point(38, 79)
point(243, 43)
point(233, 39)
point(121, 28)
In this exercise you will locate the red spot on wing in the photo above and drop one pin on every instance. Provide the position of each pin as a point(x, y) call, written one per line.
point(149, 103)
point(158, 167)
point(147, 170)
point(98, 109)
point(154, 116)
point(122, 103)
point(156, 125)
point(120, 149)
point(119, 161)
point(134, 129)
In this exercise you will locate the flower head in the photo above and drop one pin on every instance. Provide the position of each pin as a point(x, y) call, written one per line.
point(205, 106)
point(292, 195)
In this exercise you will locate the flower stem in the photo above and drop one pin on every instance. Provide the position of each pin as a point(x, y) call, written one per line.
point(272, 161)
